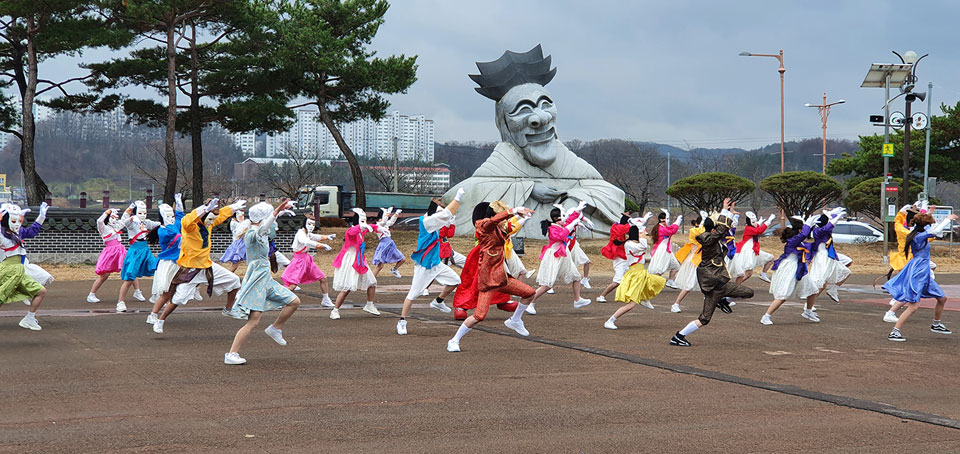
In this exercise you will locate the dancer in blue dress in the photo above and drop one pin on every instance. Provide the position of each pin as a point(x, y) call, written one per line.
point(260, 292)
point(915, 281)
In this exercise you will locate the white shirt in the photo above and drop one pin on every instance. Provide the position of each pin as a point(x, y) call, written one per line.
point(135, 226)
point(6, 243)
point(303, 241)
point(635, 250)
point(437, 220)
point(239, 228)
point(107, 233)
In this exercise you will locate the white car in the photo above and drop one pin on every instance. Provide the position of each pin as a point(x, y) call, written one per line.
point(855, 232)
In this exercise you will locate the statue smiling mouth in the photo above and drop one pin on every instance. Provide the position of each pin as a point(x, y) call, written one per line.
point(542, 137)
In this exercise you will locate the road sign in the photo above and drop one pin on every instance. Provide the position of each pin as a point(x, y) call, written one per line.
point(941, 213)
point(896, 120)
point(888, 150)
point(876, 119)
point(919, 121)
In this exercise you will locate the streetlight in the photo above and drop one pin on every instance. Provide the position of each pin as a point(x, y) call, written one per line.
point(909, 58)
point(824, 110)
point(781, 70)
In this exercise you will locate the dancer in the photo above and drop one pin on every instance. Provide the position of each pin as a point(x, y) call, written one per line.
point(113, 254)
point(749, 255)
point(236, 252)
point(427, 266)
point(350, 271)
point(638, 286)
point(195, 265)
point(490, 278)
point(555, 263)
point(35, 271)
point(139, 261)
point(689, 258)
point(168, 237)
point(914, 281)
point(576, 252)
point(302, 270)
point(822, 263)
point(387, 251)
point(15, 284)
point(466, 296)
point(712, 275)
point(791, 266)
point(662, 259)
point(898, 259)
point(260, 292)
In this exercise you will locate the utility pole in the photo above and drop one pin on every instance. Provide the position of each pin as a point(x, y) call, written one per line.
point(824, 110)
point(926, 151)
point(396, 165)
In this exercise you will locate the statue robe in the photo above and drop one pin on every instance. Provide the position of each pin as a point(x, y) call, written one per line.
point(507, 176)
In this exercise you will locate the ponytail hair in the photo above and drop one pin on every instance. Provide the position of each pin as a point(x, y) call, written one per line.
point(634, 233)
point(153, 236)
point(919, 222)
point(545, 226)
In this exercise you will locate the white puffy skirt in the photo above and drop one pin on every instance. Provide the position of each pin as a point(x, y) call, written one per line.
point(662, 261)
point(745, 259)
point(36, 273)
point(162, 278)
point(687, 276)
point(347, 279)
point(821, 270)
point(557, 269)
point(579, 257)
point(514, 265)
point(783, 284)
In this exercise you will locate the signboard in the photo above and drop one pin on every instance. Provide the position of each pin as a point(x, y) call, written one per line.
point(3, 182)
point(888, 150)
point(941, 213)
point(888, 201)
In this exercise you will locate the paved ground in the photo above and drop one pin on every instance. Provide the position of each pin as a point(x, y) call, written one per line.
point(96, 381)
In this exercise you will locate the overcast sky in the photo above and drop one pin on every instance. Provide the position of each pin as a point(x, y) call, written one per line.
point(669, 71)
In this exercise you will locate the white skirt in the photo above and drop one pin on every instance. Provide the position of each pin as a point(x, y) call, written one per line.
point(162, 278)
point(347, 279)
point(662, 261)
point(783, 284)
point(515, 266)
point(36, 273)
point(579, 257)
point(840, 270)
point(819, 270)
point(557, 269)
point(745, 260)
point(687, 276)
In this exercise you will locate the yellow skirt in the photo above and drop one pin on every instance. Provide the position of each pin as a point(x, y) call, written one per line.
point(15, 285)
point(638, 285)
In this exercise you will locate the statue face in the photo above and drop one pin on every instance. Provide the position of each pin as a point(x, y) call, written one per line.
point(527, 118)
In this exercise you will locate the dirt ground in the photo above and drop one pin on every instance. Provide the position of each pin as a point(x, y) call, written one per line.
point(97, 381)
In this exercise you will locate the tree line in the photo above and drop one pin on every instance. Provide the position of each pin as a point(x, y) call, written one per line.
point(244, 65)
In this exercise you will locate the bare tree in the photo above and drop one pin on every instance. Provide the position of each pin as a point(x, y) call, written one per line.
point(638, 169)
point(414, 176)
point(300, 169)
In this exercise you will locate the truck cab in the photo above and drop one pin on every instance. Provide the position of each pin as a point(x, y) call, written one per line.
point(327, 199)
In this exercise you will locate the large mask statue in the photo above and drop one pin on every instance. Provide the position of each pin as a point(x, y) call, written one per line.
point(530, 166)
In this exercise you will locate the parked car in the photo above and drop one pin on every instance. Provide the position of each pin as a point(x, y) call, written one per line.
point(856, 232)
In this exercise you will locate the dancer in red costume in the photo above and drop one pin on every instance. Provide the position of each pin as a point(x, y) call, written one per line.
point(491, 277)
point(466, 297)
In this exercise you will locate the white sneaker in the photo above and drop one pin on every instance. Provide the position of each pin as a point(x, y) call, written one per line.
point(371, 309)
point(138, 296)
point(27, 302)
point(551, 292)
point(121, 306)
point(234, 313)
point(516, 326)
point(326, 302)
point(764, 277)
point(585, 282)
point(335, 314)
point(276, 335)
point(646, 304)
point(893, 301)
point(297, 288)
point(732, 303)
point(810, 315)
point(396, 273)
point(92, 298)
point(890, 317)
point(834, 294)
point(425, 292)
point(158, 327)
point(672, 284)
point(233, 359)
point(675, 308)
point(402, 327)
point(812, 309)
point(609, 324)
point(153, 299)
point(582, 302)
point(453, 346)
point(765, 320)
point(440, 306)
point(30, 324)
point(601, 299)
point(530, 310)
point(196, 294)
point(530, 273)
point(152, 318)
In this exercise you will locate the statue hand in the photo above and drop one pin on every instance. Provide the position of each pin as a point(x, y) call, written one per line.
point(545, 194)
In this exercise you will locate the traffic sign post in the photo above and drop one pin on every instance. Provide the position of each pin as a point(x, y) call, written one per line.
point(888, 150)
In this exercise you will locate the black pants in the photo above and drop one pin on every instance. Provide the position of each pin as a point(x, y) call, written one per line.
point(710, 298)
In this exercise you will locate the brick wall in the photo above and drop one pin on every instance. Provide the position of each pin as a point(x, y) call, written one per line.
point(71, 237)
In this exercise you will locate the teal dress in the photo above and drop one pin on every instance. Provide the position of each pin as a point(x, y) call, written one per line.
point(259, 291)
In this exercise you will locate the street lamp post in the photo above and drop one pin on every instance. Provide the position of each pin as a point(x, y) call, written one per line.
point(781, 70)
point(824, 110)
point(910, 58)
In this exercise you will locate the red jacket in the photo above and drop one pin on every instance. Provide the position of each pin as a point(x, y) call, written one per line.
point(618, 232)
point(752, 232)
